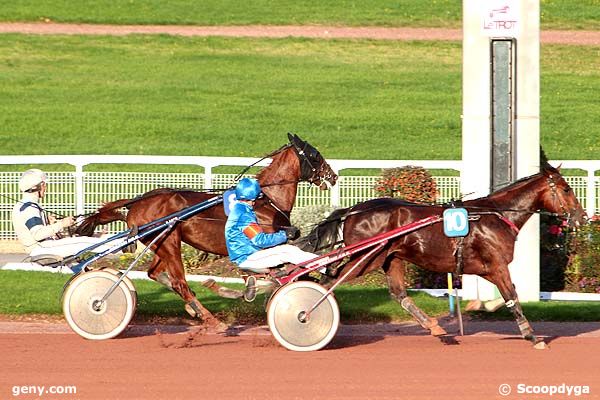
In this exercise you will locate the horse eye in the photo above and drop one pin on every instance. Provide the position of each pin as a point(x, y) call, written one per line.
point(567, 190)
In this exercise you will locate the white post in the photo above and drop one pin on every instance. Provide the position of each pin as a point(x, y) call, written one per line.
point(476, 136)
point(476, 129)
point(590, 198)
point(79, 190)
point(208, 181)
point(525, 268)
point(335, 190)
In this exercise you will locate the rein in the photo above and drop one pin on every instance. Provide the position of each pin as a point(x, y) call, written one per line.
point(47, 211)
point(150, 195)
point(271, 154)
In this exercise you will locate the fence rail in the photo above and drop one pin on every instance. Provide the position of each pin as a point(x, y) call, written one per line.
point(80, 191)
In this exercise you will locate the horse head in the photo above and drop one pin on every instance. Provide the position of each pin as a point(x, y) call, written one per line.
point(314, 168)
point(560, 198)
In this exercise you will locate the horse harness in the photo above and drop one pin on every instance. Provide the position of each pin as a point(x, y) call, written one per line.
point(309, 156)
point(458, 253)
point(553, 189)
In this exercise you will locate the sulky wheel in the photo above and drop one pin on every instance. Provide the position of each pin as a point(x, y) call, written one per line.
point(128, 283)
point(286, 316)
point(92, 318)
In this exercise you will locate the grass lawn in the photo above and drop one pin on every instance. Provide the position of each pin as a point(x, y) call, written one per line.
point(561, 14)
point(198, 96)
point(357, 99)
point(39, 293)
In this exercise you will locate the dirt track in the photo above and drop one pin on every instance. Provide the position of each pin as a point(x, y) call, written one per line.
point(589, 38)
point(379, 364)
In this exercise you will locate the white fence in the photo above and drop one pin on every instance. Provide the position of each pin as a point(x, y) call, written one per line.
point(80, 191)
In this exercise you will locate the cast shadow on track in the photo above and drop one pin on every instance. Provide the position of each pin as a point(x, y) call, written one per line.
point(549, 330)
point(344, 342)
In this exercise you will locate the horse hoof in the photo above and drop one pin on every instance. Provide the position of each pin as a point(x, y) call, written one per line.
point(493, 305)
point(221, 291)
point(437, 331)
point(210, 284)
point(474, 305)
point(541, 345)
point(217, 326)
point(190, 310)
point(230, 293)
point(196, 310)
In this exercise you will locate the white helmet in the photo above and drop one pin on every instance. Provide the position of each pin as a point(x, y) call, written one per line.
point(31, 179)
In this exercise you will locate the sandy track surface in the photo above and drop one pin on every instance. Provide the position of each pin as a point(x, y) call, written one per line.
point(588, 38)
point(365, 362)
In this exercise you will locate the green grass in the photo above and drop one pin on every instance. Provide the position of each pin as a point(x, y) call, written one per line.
point(238, 97)
point(569, 99)
point(566, 14)
point(39, 293)
point(231, 97)
point(563, 14)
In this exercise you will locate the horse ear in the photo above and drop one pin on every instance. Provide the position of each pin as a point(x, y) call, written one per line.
point(544, 163)
point(547, 168)
point(295, 140)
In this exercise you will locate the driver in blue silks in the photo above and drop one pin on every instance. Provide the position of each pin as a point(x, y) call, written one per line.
point(249, 246)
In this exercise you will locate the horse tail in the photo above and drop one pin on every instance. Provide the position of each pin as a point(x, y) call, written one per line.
point(108, 213)
point(326, 234)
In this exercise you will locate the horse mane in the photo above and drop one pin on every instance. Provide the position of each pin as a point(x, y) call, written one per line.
point(325, 235)
point(545, 168)
point(109, 212)
point(274, 156)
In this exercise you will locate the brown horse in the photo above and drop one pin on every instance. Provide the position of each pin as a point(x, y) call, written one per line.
point(295, 162)
point(486, 250)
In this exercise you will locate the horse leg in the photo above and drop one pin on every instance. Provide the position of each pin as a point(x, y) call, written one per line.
point(501, 278)
point(157, 272)
point(395, 276)
point(169, 254)
point(222, 291)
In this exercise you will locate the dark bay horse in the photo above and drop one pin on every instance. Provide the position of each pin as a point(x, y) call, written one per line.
point(486, 251)
point(295, 162)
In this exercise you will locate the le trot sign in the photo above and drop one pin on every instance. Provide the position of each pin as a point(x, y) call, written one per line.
point(500, 18)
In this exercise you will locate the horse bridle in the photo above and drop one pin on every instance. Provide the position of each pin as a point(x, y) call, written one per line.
point(317, 175)
point(566, 215)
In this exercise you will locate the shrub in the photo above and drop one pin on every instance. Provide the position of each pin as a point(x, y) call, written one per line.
point(582, 273)
point(554, 254)
point(410, 183)
point(569, 260)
